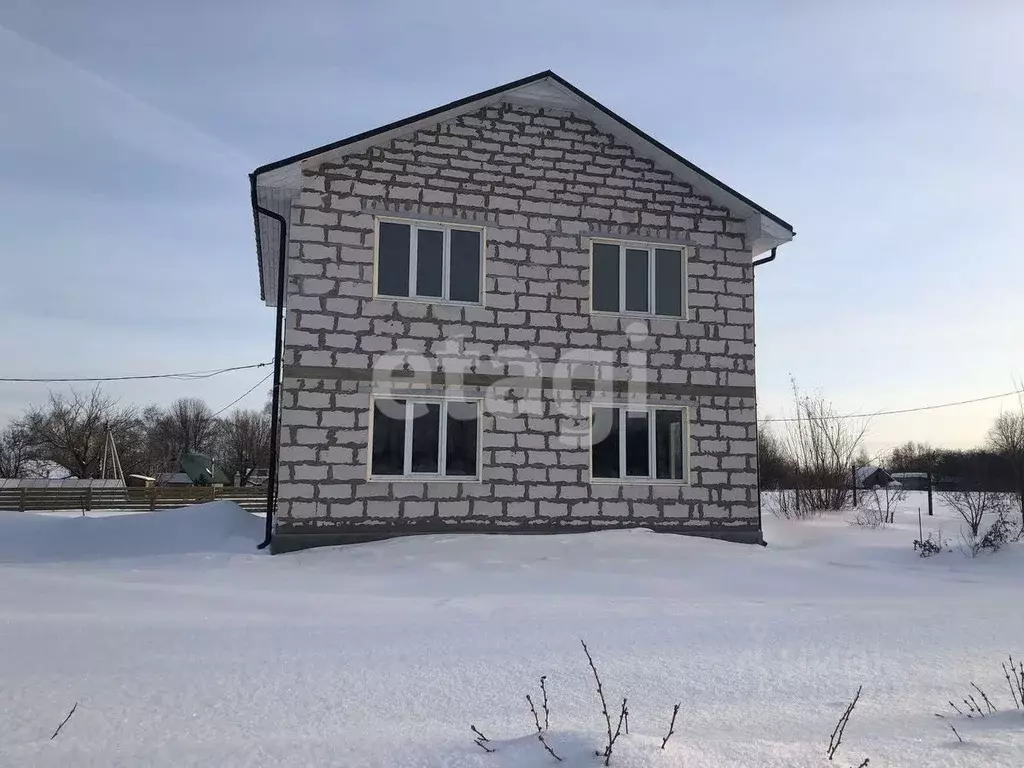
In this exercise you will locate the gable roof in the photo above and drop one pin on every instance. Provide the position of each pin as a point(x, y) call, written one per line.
point(275, 184)
point(870, 473)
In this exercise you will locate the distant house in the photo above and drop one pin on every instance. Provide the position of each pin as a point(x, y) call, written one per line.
point(202, 469)
point(565, 303)
point(140, 481)
point(62, 482)
point(256, 477)
point(195, 469)
point(173, 479)
point(912, 481)
point(872, 477)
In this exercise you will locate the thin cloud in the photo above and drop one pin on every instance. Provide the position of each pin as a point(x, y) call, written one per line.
point(61, 94)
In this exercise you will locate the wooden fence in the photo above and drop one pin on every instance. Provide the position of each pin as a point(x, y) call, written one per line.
point(253, 498)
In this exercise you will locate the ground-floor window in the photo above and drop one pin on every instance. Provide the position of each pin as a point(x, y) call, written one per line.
point(424, 437)
point(639, 443)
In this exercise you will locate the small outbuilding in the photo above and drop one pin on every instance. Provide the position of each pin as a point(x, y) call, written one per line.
point(912, 481)
point(173, 480)
point(873, 477)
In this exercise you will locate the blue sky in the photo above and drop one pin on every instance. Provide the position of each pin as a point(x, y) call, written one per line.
point(889, 137)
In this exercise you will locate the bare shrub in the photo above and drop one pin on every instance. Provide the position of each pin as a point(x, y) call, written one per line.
point(1015, 679)
point(868, 517)
point(840, 729)
point(622, 728)
point(822, 445)
point(480, 740)
point(540, 731)
point(64, 721)
point(972, 506)
point(878, 506)
point(612, 735)
point(1006, 437)
point(774, 465)
point(932, 544)
point(1001, 533)
point(785, 504)
point(671, 726)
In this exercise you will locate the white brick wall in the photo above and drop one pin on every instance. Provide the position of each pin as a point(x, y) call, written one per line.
point(542, 181)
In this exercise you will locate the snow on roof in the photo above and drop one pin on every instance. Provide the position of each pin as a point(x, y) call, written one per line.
point(863, 473)
point(63, 482)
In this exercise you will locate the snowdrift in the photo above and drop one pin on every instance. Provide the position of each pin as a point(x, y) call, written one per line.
point(220, 526)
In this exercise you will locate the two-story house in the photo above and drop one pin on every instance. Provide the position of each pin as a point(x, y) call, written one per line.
point(513, 313)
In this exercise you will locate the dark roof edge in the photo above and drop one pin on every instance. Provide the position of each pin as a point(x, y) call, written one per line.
point(484, 95)
point(405, 121)
point(256, 226)
point(674, 155)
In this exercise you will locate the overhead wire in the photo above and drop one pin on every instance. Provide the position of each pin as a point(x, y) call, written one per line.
point(901, 410)
point(244, 394)
point(187, 375)
point(207, 374)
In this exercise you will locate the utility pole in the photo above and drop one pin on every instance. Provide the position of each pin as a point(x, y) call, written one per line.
point(929, 493)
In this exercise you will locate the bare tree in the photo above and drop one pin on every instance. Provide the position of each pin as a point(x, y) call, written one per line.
point(19, 457)
point(187, 425)
point(245, 443)
point(822, 445)
point(773, 465)
point(972, 506)
point(70, 430)
point(913, 457)
point(191, 423)
point(1006, 437)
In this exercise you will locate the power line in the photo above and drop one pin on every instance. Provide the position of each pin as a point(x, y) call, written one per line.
point(188, 375)
point(247, 392)
point(903, 410)
point(207, 374)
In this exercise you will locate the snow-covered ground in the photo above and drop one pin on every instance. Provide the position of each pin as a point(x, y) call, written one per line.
point(185, 647)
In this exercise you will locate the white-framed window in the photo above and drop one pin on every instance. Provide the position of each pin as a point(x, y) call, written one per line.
point(639, 444)
point(429, 261)
point(638, 278)
point(414, 437)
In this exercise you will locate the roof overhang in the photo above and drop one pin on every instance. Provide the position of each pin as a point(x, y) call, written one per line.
point(276, 185)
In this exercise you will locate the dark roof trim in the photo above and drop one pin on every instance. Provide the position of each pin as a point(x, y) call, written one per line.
point(675, 156)
point(256, 226)
point(405, 121)
point(494, 92)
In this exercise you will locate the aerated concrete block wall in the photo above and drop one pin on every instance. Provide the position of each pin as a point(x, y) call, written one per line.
point(542, 182)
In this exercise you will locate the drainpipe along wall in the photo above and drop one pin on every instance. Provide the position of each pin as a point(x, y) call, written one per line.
point(760, 527)
point(275, 405)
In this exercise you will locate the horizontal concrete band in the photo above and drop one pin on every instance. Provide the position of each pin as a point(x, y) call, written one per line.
point(399, 210)
point(295, 538)
point(532, 382)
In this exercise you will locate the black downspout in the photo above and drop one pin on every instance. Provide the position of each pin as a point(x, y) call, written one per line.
point(760, 525)
point(275, 409)
point(766, 259)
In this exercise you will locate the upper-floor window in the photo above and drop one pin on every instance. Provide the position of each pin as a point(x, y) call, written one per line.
point(638, 278)
point(639, 444)
point(425, 438)
point(424, 260)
